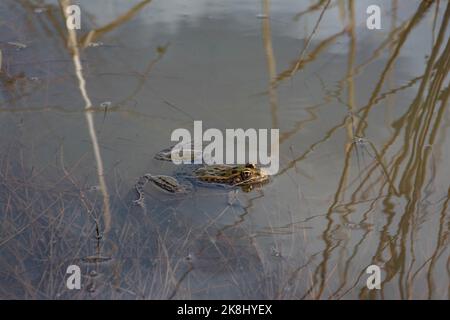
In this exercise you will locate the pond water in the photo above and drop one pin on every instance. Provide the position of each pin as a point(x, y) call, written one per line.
point(364, 149)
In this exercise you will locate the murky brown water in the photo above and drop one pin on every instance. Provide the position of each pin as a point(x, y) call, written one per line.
point(364, 175)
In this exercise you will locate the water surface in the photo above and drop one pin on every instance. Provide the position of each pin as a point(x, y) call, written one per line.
point(364, 148)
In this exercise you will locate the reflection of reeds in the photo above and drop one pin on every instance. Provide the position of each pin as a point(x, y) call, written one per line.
point(302, 60)
point(144, 75)
point(271, 63)
point(423, 7)
point(73, 47)
point(408, 168)
point(308, 40)
point(93, 35)
point(314, 7)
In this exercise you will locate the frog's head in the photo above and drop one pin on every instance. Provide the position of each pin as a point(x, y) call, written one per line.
point(249, 174)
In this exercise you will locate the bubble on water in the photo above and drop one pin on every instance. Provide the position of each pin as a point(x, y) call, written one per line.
point(275, 252)
point(360, 140)
point(39, 10)
point(93, 188)
point(18, 45)
point(106, 104)
point(95, 44)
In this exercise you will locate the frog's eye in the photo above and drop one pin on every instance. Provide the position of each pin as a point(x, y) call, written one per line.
point(246, 174)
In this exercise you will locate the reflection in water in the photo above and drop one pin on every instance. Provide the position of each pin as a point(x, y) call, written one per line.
point(93, 35)
point(73, 47)
point(271, 64)
point(363, 124)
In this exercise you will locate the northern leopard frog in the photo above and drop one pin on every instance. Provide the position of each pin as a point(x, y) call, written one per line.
point(244, 176)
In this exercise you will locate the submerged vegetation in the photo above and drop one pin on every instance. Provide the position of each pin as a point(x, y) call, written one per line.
point(363, 173)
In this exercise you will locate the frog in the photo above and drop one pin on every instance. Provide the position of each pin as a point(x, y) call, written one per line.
point(240, 176)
